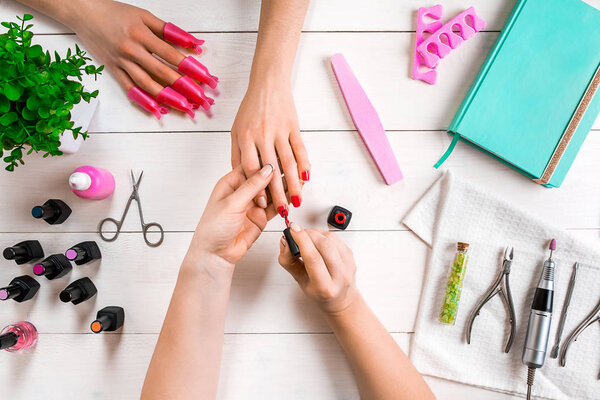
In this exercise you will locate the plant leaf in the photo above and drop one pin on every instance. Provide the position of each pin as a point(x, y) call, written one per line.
point(8, 118)
point(12, 91)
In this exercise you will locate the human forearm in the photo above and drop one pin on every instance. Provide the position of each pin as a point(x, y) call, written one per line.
point(279, 31)
point(62, 11)
point(187, 357)
point(381, 368)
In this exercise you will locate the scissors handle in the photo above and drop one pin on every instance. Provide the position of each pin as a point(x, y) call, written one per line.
point(101, 232)
point(146, 227)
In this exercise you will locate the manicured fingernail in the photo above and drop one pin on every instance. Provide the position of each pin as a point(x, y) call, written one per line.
point(295, 227)
point(296, 201)
point(266, 170)
point(262, 202)
point(305, 176)
point(283, 210)
point(282, 241)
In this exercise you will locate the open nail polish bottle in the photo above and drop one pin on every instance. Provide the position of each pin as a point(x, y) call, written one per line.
point(19, 336)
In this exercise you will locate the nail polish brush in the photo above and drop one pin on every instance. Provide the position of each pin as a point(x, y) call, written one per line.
point(84, 252)
point(78, 291)
point(24, 252)
point(20, 289)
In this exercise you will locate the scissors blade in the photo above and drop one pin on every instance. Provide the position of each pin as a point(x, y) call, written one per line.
point(136, 184)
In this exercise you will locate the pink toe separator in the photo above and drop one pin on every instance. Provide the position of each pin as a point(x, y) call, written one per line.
point(174, 34)
point(173, 99)
point(147, 102)
point(435, 13)
point(196, 70)
point(442, 41)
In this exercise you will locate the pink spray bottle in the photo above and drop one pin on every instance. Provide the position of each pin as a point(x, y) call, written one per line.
point(92, 183)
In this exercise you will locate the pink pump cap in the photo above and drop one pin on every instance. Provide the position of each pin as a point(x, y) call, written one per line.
point(173, 99)
point(174, 34)
point(147, 102)
point(193, 92)
point(192, 67)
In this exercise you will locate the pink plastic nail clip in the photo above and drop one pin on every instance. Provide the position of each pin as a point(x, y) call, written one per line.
point(147, 102)
point(173, 99)
point(192, 67)
point(174, 34)
point(440, 43)
point(193, 92)
point(435, 13)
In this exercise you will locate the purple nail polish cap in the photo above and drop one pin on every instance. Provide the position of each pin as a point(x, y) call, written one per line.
point(553, 244)
point(3, 294)
point(38, 269)
point(71, 254)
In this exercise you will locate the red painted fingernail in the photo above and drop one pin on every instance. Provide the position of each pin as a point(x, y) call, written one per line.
point(296, 201)
point(283, 210)
point(305, 176)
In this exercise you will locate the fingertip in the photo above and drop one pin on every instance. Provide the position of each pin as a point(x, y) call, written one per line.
point(295, 227)
point(267, 170)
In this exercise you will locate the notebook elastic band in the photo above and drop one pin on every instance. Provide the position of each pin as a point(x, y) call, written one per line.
point(448, 151)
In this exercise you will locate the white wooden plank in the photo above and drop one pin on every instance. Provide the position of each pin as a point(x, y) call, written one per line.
point(141, 280)
point(181, 169)
point(329, 15)
point(253, 367)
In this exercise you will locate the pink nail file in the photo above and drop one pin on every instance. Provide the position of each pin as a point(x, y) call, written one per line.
point(366, 120)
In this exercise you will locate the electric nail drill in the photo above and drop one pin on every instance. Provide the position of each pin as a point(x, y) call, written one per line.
point(84, 252)
point(24, 252)
point(540, 319)
point(108, 319)
point(78, 291)
point(54, 266)
point(53, 211)
point(20, 289)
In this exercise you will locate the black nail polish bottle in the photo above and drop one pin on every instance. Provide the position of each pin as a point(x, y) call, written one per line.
point(291, 242)
point(20, 289)
point(339, 217)
point(108, 319)
point(84, 252)
point(24, 252)
point(53, 211)
point(78, 291)
point(54, 266)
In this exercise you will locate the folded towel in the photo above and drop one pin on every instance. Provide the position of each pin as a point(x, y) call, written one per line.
point(453, 210)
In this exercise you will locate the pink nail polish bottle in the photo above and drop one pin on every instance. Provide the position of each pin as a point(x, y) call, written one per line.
point(92, 183)
point(19, 336)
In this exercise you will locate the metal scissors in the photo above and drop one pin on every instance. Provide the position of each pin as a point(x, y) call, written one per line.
point(501, 285)
point(145, 226)
point(592, 318)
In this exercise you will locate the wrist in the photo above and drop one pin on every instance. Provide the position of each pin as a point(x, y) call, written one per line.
point(269, 74)
point(349, 307)
point(205, 265)
point(64, 11)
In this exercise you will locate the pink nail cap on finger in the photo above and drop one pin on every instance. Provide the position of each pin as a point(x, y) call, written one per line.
point(147, 102)
point(174, 34)
point(173, 99)
point(195, 69)
point(193, 92)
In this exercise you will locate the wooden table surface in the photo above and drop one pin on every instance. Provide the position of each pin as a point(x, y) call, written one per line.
point(277, 345)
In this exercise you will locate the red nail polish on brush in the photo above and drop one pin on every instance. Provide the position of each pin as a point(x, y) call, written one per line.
point(296, 201)
point(174, 34)
point(305, 176)
point(173, 99)
point(194, 68)
point(283, 211)
point(193, 92)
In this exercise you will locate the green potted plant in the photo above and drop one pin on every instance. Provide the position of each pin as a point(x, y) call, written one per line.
point(37, 93)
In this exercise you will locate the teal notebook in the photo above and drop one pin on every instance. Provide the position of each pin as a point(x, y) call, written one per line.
point(536, 96)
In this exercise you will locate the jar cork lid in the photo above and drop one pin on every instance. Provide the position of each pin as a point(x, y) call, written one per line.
point(462, 246)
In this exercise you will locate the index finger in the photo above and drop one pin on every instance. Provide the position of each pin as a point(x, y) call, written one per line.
point(313, 262)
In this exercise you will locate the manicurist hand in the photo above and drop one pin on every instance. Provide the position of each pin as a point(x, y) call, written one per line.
point(120, 36)
point(231, 221)
point(326, 271)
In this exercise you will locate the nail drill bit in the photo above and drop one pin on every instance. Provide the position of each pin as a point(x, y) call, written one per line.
point(540, 318)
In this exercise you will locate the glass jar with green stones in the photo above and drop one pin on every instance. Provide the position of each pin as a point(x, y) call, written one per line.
point(454, 286)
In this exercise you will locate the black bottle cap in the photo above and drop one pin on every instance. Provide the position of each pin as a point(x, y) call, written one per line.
point(24, 252)
point(78, 291)
point(53, 211)
point(109, 318)
point(339, 217)
point(20, 289)
point(10, 253)
point(84, 252)
point(291, 242)
point(8, 340)
point(54, 266)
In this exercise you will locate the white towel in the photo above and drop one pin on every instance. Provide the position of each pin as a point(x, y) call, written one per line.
point(453, 210)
